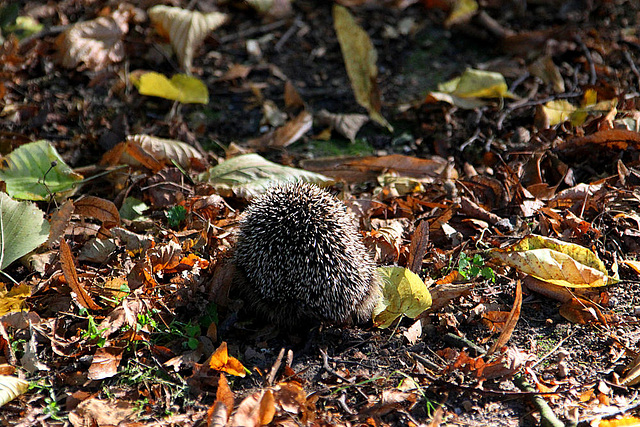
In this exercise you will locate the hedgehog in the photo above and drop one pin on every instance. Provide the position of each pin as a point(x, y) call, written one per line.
point(300, 259)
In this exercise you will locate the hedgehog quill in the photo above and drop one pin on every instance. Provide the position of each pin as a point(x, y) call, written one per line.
point(300, 259)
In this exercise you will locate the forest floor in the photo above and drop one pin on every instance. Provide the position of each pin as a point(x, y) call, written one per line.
point(115, 320)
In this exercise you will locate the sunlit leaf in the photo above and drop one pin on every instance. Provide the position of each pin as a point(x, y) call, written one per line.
point(166, 151)
point(186, 29)
point(360, 59)
point(11, 387)
point(555, 261)
point(477, 84)
point(182, 88)
point(347, 125)
point(35, 171)
point(403, 293)
point(249, 175)
point(13, 300)
point(221, 361)
point(558, 111)
point(22, 229)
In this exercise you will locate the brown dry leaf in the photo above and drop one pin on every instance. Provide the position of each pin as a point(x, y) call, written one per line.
point(165, 256)
point(635, 265)
point(221, 361)
point(385, 242)
point(134, 151)
point(495, 320)
point(285, 135)
point(582, 311)
point(360, 59)
point(507, 364)
point(510, 323)
point(237, 71)
point(443, 293)
point(418, 248)
point(166, 151)
point(98, 208)
point(186, 29)
point(59, 222)
point(546, 69)
point(105, 363)
point(96, 43)
point(267, 409)
point(347, 125)
point(247, 414)
point(292, 98)
point(359, 169)
point(102, 413)
point(219, 413)
point(71, 275)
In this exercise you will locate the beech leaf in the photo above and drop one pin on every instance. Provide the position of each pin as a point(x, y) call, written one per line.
point(186, 29)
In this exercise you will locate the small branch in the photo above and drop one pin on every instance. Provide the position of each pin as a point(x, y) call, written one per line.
point(587, 53)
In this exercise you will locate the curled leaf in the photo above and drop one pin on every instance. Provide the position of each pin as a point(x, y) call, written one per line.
point(403, 293)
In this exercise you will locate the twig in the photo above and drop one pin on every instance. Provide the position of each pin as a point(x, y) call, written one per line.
point(253, 31)
point(325, 365)
point(287, 35)
point(46, 32)
point(587, 53)
point(553, 350)
point(460, 342)
point(274, 369)
point(632, 64)
point(549, 419)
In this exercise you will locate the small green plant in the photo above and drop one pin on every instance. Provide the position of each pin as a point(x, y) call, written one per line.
point(175, 215)
point(93, 333)
point(52, 407)
point(470, 268)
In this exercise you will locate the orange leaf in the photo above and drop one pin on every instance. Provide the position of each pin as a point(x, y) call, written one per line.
point(71, 276)
point(267, 408)
point(511, 322)
point(221, 361)
point(220, 411)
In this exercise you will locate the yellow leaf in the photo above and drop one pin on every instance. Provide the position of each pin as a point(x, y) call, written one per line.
point(403, 293)
point(461, 12)
point(360, 60)
point(13, 300)
point(186, 29)
point(555, 261)
point(477, 84)
point(182, 88)
point(221, 361)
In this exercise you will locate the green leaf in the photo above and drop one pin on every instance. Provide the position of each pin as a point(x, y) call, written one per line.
point(251, 174)
point(35, 171)
point(22, 229)
point(403, 293)
point(132, 208)
point(11, 387)
point(182, 88)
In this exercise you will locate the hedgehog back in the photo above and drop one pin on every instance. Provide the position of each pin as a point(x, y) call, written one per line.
point(302, 259)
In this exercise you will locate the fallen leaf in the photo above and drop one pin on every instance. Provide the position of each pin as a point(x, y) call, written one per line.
point(403, 293)
point(13, 300)
point(219, 413)
point(102, 413)
point(96, 43)
point(95, 207)
point(71, 275)
point(510, 323)
point(555, 261)
point(11, 387)
point(347, 125)
point(182, 88)
point(35, 171)
point(221, 361)
point(186, 29)
point(461, 12)
point(249, 175)
point(22, 229)
point(477, 84)
point(105, 363)
point(360, 59)
point(285, 135)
